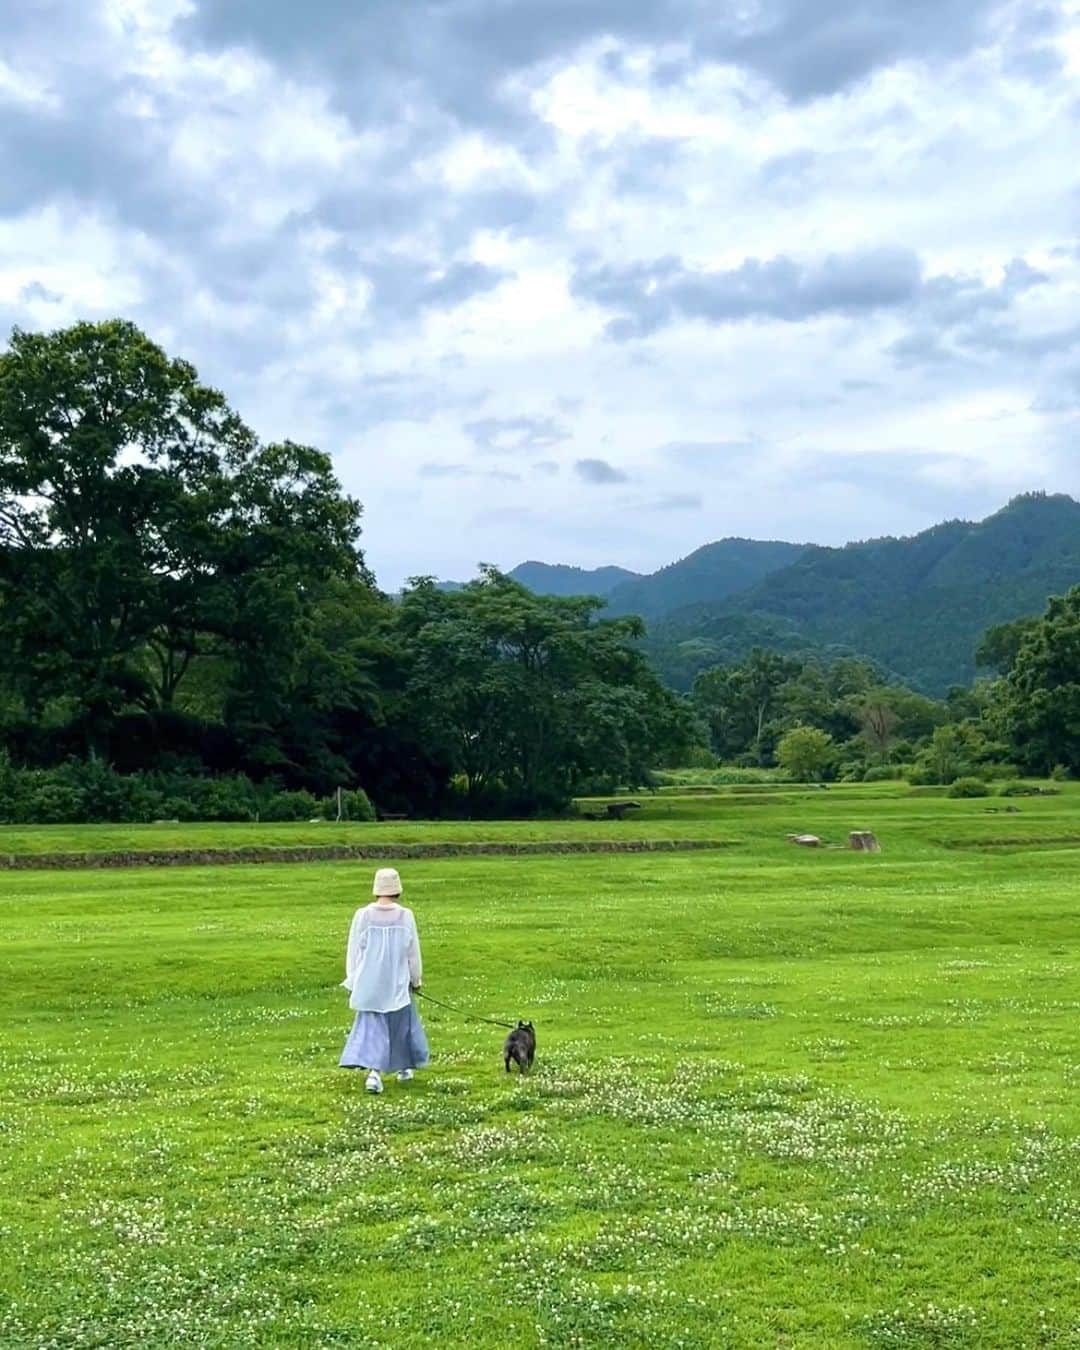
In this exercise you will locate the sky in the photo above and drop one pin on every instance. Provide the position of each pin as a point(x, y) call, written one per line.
point(587, 281)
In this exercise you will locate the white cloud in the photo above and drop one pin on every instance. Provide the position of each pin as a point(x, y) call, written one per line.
point(370, 236)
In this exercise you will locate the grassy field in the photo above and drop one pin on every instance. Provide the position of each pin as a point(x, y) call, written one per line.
point(918, 816)
point(783, 1098)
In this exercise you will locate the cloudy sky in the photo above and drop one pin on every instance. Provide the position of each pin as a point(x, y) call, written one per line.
point(583, 280)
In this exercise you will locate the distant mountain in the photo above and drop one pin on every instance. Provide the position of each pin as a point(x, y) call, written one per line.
point(708, 575)
point(918, 606)
point(555, 579)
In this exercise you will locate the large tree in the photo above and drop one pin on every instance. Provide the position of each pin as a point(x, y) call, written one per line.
point(530, 696)
point(1040, 699)
point(114, 465)
point(806, 753)
point(1000, 645)
point(887, 714)
point(739, 703)
point(142, 526)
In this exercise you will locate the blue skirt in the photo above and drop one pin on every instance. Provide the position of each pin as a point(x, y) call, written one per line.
point(388, 1042)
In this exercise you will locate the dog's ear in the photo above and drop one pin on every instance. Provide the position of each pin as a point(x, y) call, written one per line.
point(529, 1026)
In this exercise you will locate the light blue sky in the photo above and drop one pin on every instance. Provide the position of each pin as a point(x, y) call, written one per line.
point(583, 280)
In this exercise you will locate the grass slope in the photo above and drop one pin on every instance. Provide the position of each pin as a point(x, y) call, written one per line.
point(726, 813)
point(783, 1098)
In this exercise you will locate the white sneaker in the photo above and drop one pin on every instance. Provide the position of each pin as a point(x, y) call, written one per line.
point(405, 1076)
point(374, 1082)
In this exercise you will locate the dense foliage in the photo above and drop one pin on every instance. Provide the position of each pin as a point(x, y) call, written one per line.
point(177, 598)
point(751, 709)
point(188, 629)
point(806, 753)
point(920, 605)
point(916, 607)
point(89, 791)
point(763, 710)
point(531, 697)
point(1040, 698)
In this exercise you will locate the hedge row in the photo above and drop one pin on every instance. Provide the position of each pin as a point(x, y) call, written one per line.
point(88, 792)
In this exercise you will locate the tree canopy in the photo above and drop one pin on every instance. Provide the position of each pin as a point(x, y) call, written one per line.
point(1040, 699)
point(534, 694)
point(179, 597)
point(176, 593)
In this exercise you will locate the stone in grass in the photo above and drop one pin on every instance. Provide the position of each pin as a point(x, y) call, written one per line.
point(863, 841)
point(805, 840)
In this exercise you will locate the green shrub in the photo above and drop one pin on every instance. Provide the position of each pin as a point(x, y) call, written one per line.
point(357, 805)
point(731, 773)
point(719, 777)
point(882, 773)
point(91, 792)
point(230, 797)
point(281, 806)
point(694, 757)
point(51, 801)
point(109, 797)
point(597, 787)
point(179, 808)
point(1060, 773)
point(969, 787)
point(998, 773)
point(1021, 789)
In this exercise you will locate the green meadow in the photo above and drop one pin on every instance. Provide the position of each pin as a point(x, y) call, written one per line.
point(783, 1097)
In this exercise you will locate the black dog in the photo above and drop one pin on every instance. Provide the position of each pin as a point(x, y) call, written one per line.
point(520, 1047)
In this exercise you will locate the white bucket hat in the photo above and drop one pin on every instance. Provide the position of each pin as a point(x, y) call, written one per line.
point(387, 882)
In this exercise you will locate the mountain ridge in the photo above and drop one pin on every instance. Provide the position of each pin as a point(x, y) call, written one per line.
point(915, 604)
point(724, 568)
point(918, 604)
point(565, 579)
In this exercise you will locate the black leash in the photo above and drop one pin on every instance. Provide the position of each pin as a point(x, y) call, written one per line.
point(472, 1017)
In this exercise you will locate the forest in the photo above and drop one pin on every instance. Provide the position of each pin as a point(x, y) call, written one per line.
point(189, 630)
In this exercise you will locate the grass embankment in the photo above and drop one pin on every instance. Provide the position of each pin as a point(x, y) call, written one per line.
point(783, 1098)
point(724, 815)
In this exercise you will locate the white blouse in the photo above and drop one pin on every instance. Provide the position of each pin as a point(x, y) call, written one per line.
point(382, 959)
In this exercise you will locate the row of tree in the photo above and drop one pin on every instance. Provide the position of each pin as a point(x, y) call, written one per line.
point(842, 720)
point(177, 596)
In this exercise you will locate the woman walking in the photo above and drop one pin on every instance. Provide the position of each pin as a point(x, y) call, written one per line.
point(382, 968)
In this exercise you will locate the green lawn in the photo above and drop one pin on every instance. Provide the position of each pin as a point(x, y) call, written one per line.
point(783, 1098)
point(723, 815)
